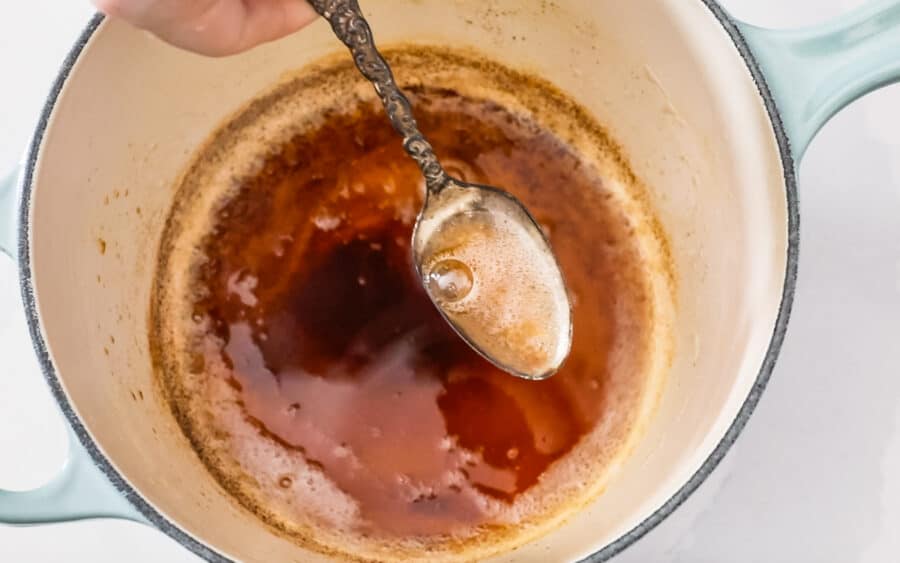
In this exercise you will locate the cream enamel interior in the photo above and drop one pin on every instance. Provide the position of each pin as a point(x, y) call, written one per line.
point(662, 75)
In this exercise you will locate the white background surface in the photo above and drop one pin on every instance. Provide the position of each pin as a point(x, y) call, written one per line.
point(814, 478)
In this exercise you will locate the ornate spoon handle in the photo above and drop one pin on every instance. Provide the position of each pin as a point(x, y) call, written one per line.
point(353, 30)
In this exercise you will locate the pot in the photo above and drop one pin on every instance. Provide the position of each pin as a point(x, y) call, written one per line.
point(712, 114)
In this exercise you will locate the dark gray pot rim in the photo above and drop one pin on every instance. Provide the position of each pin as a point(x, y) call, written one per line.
point(608, 552)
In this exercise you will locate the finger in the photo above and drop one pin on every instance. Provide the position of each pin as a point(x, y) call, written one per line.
point(268, 20)
point(213, 27)
point(150, 14)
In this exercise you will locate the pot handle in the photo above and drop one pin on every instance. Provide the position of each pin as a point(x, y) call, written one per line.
point(815, 72)
point(80, 490)
point(8, 198)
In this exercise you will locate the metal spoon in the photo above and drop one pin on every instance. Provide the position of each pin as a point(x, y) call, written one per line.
point(483, 259)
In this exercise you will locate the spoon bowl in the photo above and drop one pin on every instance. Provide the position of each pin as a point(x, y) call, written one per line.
point(488, 267)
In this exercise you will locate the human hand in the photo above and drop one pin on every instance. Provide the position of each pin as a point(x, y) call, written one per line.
point(213, 27)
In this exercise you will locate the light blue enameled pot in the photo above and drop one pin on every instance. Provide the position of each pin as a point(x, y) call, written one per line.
point(714, 115)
